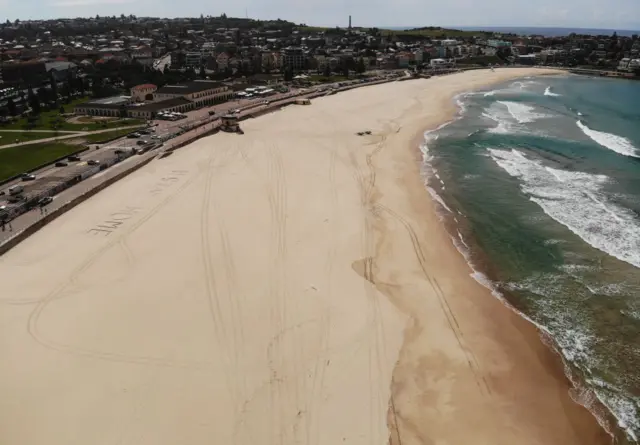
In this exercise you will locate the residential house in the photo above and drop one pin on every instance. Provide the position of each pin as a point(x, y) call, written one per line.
point(223, 61)
point(144, 92)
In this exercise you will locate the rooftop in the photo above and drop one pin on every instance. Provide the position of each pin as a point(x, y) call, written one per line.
point(191, 87)
point(144, 86)
point(107, 102)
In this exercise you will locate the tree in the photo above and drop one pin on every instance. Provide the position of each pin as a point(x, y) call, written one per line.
point(203, 73)
point(360, 67)
point(43, 95)
point(34, 102)
point(54, 88)
point(327, 70)
point(61, 110)
point(11, 105)
point(190, 73)
point(288, 74)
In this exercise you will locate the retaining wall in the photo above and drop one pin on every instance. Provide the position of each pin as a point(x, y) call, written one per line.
point(33, 228)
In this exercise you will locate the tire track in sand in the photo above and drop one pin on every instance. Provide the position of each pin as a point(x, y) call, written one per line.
point(60, 292)
point(452, 321)
point(216, 314)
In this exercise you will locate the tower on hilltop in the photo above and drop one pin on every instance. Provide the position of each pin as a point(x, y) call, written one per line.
point(349, 23)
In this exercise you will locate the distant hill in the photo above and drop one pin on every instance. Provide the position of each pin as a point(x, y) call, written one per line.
point(437, 32)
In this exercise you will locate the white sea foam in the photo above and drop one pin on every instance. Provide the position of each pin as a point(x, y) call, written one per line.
point(548, 92)
point(522, 113)
point(576, 200)
point(613, 142)
point(438, 199)
point(624, 409)
point(490, 93)
point(579, 113)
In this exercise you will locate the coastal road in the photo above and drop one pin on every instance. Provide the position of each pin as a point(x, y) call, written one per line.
point(71, 135)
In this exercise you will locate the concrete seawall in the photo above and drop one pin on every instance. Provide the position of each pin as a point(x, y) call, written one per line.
point(33, 228)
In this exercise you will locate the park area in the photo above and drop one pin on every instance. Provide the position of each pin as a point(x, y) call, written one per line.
point(23, 158)
point(28, 142)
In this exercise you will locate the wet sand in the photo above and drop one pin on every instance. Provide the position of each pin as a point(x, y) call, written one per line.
point(292, 285)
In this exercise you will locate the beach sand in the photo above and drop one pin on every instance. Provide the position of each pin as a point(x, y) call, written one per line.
point(293, 285)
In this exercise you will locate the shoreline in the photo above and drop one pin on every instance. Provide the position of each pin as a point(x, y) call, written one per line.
point(483, 272)
point(555, 361)
point(299, 270)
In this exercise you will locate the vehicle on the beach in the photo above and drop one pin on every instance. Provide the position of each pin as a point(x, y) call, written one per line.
point(360, 133)
point(61, 164)
point(367, 132)
point(93, 162)
point(211, 113)
point(73, 158)
point(28, 177)
point(44, 201)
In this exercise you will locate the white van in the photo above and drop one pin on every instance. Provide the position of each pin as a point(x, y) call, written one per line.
point(16, 189)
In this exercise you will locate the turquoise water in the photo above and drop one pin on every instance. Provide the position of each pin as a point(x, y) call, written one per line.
point(540, 182)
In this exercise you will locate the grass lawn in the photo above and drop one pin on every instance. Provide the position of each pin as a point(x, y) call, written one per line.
point(107, 135)
point(15, 160)
point(45, 118)
point(9, 137)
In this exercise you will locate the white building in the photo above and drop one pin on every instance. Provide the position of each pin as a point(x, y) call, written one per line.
point(438, 63)
point(193, 59)
point(634, 64)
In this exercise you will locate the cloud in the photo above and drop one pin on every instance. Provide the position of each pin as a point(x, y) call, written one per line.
point(73, 3)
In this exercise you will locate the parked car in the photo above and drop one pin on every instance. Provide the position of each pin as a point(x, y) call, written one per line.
point(61, 164)
point(133, 135)
point(16, 198)
point(44, 201)
point(73, 158)
point(28, 177)
point(16, 189)
point(141, 142)
point(93, 162)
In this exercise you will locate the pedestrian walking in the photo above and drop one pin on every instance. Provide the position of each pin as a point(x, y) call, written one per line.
point(41, 211)
point(10, 228)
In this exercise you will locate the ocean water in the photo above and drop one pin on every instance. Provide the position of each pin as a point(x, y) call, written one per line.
point(552, 32)
point(539, 183)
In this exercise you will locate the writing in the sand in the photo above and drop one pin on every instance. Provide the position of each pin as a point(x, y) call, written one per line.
point(167, 181)
point(115, 220)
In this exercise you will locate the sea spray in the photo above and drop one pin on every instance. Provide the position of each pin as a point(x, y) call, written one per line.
point(548, 92)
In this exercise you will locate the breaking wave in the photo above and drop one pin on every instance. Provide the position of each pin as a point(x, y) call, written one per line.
point(619, 144)
point(576, 200)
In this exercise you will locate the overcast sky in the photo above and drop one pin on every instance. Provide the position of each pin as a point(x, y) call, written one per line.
point(610, 14)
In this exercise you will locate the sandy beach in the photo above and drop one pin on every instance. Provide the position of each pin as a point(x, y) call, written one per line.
point(293, 285)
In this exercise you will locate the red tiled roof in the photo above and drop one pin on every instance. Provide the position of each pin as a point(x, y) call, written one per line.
point(144, 86)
